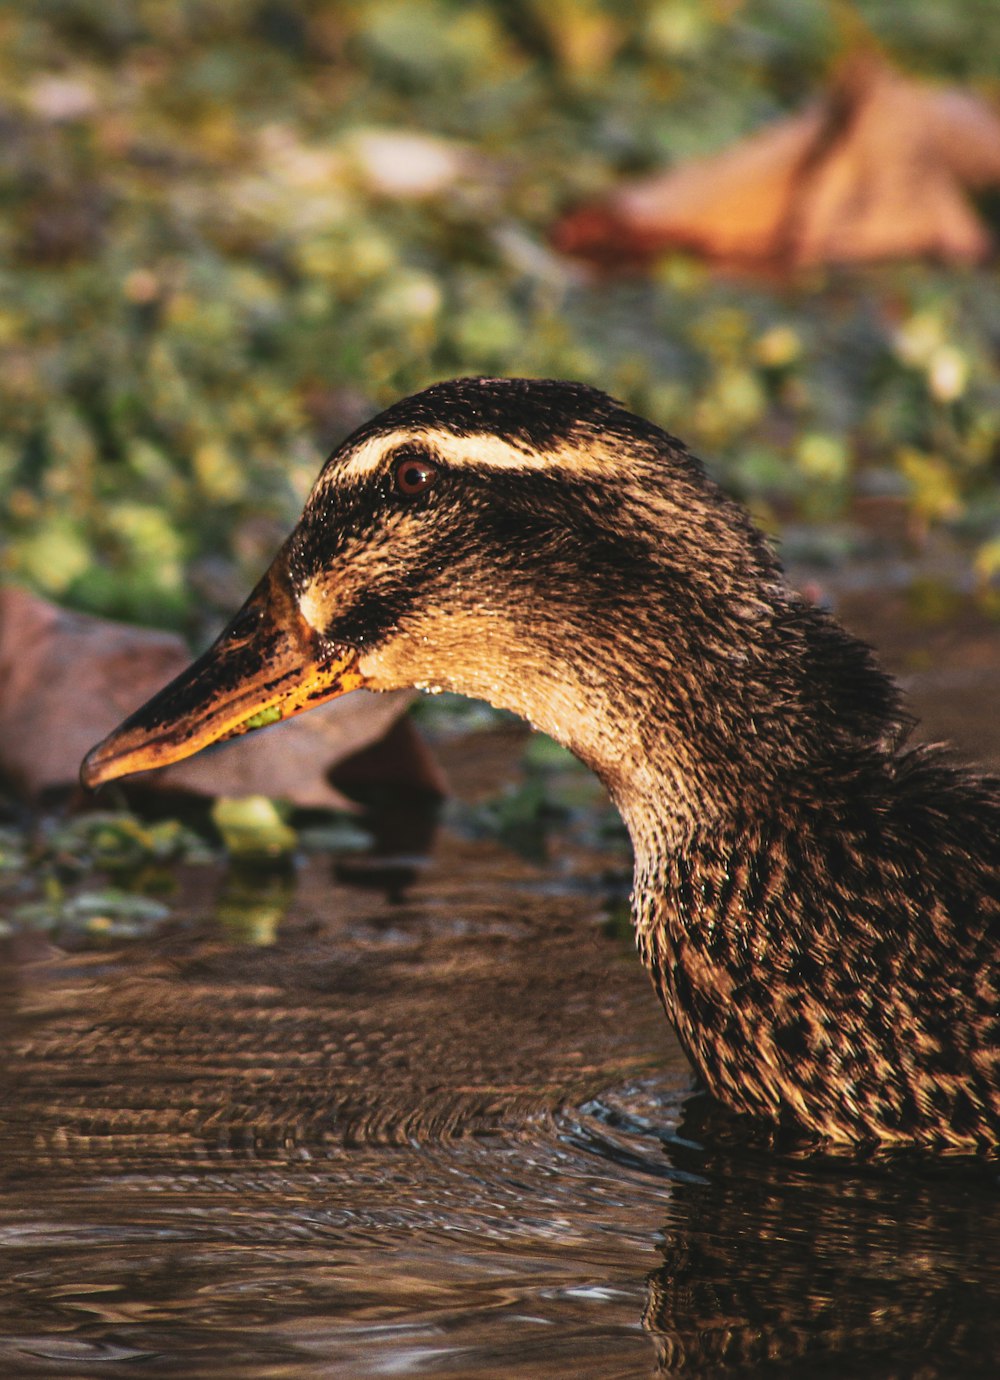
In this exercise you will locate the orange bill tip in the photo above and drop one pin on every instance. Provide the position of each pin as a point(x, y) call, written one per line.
point(269, 664)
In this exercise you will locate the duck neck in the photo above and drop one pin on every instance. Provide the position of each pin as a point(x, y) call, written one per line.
point(726, 728)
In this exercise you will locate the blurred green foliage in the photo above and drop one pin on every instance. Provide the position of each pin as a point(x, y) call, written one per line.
point(206, 280)
point(55, 875)
point(208, 276)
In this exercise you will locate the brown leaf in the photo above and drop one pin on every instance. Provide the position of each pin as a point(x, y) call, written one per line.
point(877, 169)
point(66, 679)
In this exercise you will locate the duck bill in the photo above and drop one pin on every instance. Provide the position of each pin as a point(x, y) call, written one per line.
point(268, 664)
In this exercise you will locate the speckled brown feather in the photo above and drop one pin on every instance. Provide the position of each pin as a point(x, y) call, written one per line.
point(832, 965)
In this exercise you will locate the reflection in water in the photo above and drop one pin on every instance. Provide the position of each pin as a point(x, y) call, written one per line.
point(447, 1134)
point(253, 901)
point(769, 1266)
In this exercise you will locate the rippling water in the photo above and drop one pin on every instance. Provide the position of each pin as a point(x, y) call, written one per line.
point(437, 1127)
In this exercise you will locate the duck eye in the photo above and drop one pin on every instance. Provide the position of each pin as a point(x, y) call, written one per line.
point(414, 476)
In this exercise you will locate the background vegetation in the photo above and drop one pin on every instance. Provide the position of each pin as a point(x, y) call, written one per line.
point(206, 281)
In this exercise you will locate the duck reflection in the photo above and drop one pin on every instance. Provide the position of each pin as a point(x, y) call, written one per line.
point(770, 1265)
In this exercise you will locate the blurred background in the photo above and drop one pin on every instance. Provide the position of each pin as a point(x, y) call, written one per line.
point(233, 229)
point(291, 1091)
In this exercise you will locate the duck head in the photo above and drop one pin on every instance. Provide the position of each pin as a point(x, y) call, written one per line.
point(533, 544)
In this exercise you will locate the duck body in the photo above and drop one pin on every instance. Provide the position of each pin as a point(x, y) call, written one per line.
point(831, 967)
point(818, 905)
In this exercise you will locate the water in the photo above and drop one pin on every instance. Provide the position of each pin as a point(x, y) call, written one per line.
point(443, 1135)
point(410, 1116)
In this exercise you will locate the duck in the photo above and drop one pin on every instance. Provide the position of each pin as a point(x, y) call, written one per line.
point(816, 900)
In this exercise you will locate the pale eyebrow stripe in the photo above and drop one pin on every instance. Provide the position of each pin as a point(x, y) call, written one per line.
point(363, 461)
point(476, 450)
point(370, 454)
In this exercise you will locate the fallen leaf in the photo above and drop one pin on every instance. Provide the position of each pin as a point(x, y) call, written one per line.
point(251, 827)
point(408, 164)
point(878, 168)
point(61, 98)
